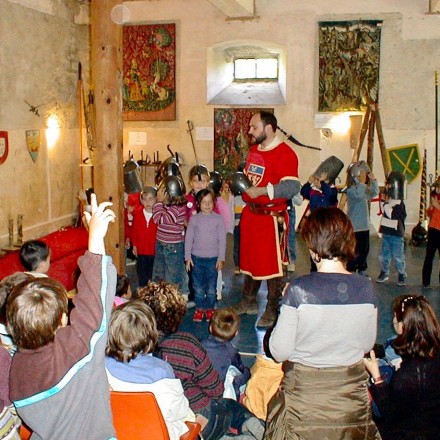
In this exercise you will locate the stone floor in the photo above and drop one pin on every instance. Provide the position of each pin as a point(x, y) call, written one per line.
point(249, 340)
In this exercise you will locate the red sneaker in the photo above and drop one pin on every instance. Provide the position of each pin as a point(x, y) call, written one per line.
point(198, 315)
point(209, 314)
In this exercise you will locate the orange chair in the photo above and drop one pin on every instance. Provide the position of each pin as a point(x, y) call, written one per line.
point(25, 433)
point(136, 415)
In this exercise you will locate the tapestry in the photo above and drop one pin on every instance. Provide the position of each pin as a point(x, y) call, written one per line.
point(349, 55)
point(149, 72)
point(231, 139)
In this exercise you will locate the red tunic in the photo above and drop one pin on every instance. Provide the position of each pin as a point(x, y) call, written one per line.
point(261, 253)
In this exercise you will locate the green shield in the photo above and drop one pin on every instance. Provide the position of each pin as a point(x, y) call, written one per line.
point(406, 159)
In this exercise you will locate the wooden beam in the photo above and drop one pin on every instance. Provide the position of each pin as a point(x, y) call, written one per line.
point(106, 74)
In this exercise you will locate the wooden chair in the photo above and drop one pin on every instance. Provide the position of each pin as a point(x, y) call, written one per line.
point(136, 415)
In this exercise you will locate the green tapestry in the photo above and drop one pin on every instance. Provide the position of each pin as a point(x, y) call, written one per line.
point(349, 55)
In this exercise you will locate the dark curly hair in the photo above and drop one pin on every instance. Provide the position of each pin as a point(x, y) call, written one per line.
point(167, 303)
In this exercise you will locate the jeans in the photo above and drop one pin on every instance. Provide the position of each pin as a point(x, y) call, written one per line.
point(392, 247)
point(144, 267)
point(204, 275)
point(292, 235)
point(169, 265)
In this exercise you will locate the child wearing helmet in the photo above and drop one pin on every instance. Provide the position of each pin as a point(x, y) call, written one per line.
point(169, 215)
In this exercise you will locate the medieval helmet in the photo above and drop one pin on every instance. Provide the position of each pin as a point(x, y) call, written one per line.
point(169, 167)
point(132, 177)
point(354, 171)
point(239, 183)
point(173, 185)
point(215, 181)
point(331, 166)
point(396, 185)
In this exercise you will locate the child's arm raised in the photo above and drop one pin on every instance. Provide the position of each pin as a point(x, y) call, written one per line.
point(98, 222)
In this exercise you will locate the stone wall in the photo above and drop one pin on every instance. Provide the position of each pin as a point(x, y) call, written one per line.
point(41, 45)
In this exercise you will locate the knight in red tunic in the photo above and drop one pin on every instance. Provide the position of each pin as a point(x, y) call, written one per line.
point(272, 167)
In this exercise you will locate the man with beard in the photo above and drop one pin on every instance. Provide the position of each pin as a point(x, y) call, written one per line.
point(272, 167)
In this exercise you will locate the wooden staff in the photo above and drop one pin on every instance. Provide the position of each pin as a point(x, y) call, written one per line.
point(436, 122)
point(419, 233)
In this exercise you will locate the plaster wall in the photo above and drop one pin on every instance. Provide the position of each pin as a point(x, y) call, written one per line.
point(410, 54)
point(40, 46)
point(42, 41)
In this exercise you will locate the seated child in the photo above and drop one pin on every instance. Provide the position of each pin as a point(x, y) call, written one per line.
point(131, 367)
point(191, 364)
point(57, 378)
point(6, 286)
point(35, 257)
point(9, 421)
point(266, 376)
point(123, 290)
point(223, 328)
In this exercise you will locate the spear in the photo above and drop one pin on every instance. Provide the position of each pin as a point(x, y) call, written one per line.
point(436, 122)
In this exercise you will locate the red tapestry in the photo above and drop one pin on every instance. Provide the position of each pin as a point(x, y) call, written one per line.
point(231, 139)
point(149, 72)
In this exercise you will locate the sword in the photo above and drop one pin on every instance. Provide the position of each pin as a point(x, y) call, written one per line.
point(295, 141)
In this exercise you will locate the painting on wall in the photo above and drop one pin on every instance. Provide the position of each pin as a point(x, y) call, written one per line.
point(149, 72)
point(231, 139)
point(349, 56)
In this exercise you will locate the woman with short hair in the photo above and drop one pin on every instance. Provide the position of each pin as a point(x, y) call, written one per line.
point(327, 321)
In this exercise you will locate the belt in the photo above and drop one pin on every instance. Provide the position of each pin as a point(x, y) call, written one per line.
point(265, 210)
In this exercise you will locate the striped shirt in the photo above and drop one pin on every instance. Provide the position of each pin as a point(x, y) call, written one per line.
point(191, 364)
point(170, 220)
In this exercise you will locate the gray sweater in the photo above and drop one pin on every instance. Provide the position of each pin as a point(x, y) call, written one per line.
point(357, 198)
point(206, 237)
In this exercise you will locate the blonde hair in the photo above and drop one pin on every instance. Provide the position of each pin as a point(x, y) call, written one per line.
point(132, 331)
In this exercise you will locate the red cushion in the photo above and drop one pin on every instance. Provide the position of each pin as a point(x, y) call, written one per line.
point(66, 246)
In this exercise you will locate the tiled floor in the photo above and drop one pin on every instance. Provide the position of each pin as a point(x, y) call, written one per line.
point(249, 339)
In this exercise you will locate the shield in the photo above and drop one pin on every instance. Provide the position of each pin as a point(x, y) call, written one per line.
point(406, 159)
point(33, 143)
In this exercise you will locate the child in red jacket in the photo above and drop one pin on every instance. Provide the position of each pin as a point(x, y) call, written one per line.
point(143, 236)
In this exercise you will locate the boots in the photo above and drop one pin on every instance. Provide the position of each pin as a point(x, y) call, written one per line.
point(269, 316)
point(248, 304)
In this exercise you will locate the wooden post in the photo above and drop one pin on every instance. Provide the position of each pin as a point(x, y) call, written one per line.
point(381, 139)
point(370, 146)
point(106, 74)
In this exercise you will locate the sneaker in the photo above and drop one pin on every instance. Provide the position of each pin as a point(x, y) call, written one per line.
point(382, 277)
point(363, 273)
point(237, 270)
point(189, 304)
point(244, 308)
point(401, 280)
point(291, 267)
point(198, 315)
point(427, 287)
point(209, 313)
